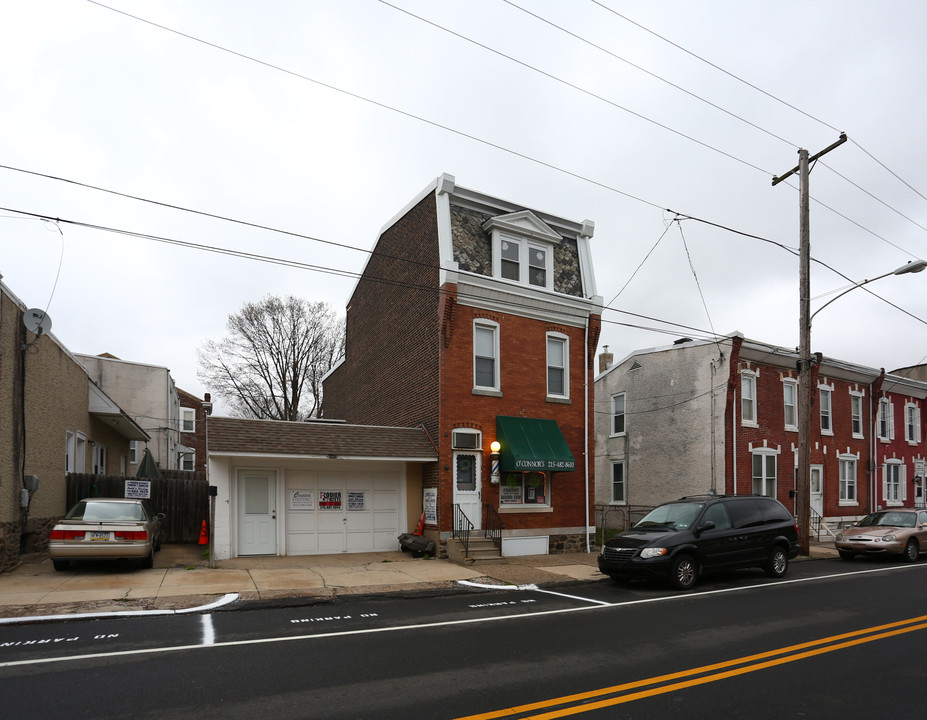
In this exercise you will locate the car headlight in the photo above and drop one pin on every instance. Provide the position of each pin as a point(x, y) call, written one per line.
point(648, 553)
point(839, 537)
point(888, 538)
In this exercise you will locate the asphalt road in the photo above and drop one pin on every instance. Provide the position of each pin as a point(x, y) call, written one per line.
point(835, 639)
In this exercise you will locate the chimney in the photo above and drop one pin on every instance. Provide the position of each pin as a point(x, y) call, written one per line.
point(605, 359)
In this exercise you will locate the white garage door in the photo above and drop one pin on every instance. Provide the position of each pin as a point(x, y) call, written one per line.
point(333, 512)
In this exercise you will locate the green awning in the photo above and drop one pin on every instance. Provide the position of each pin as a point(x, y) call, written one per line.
point(532, 444)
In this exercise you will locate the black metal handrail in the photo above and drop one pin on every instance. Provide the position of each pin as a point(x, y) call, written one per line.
point(493, 527)
point(462, 528)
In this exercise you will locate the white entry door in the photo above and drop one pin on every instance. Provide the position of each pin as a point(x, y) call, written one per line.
point(257, 513)
point(816, 489)
point(468, 486)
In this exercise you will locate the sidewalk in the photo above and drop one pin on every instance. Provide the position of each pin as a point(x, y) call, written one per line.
point(181, 579)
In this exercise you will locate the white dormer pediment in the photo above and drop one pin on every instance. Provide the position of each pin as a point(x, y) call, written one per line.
point(524, 223)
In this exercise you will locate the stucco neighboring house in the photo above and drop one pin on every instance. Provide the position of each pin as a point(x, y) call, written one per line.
point(55, 420)
point(703, 417)
point(660, 427)
point(149, 395)
point(477, 319)
point(307, 488)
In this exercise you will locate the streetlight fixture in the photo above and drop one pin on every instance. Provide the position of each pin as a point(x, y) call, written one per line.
point(802, 489)
point(914, 266)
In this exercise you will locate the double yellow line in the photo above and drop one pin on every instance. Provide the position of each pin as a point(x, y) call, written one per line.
point(619, 694)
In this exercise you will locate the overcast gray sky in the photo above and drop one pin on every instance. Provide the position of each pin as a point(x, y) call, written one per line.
point(324, 118)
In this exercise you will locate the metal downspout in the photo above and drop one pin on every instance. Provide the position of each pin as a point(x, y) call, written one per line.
point(734, 440)
point(586, 427)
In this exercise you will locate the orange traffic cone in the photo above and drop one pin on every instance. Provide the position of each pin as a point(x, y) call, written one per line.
point(420, 528)
point(204, 534)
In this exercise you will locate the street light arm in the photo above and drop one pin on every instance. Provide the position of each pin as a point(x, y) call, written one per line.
point(915, 266)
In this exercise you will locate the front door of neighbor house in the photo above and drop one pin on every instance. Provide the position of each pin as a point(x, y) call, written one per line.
point(257, 513)
point(816, 489)
point(468, 486)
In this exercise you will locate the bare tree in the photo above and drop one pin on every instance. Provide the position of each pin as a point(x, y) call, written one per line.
point(271, 363)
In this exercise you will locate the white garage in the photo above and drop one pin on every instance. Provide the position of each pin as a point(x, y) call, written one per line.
point(313, 488)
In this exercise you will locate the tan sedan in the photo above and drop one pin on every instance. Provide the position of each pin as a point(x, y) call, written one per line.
point(899, 531)
point(106, 529)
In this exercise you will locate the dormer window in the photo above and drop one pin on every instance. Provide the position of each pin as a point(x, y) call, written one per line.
point(523, 249)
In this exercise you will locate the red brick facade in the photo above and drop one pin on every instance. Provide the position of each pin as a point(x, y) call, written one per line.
point(409, 361)
point(848, 437)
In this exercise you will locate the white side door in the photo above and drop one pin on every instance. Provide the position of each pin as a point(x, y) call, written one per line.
point(257, 513)
point(816, 489)
point(468, 486)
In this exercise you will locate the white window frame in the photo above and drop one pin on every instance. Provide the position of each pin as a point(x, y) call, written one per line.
point(857, 426)
point(133, 452)
point(763, 478)
point(493, 327)
point(894, 487)
point(912, 423)
point(885, 422)
point(748, 378)
point(623, 398)
point(789, 384)
point(564, 342)
point(188, 458)
point(187, 415)
point(70, 444)
point(826, 402)
point(622, 483)
point(525, 246)
point(848, 480)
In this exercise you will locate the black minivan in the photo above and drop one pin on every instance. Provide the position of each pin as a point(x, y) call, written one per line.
point(680, 540)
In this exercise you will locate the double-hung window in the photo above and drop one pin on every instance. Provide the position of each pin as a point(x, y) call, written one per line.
point(748, 397)
point(790, 404)
point(886, 422)
point(187, 420)
point(893, 485)
point(524, 261)
point(558, 366)
point(764, 474)
point(856, 414)
point(912, 423)
point(847, 479)
point(618, 414)
point(619, 483)
point(485, 356)
point(827, 416)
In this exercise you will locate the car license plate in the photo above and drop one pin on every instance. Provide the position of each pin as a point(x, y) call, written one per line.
point(96, 536)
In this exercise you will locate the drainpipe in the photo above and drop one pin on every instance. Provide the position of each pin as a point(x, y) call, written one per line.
point(734, 440)
point(586, 429)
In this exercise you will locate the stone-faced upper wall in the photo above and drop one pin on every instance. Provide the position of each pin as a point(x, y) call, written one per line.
point(473, 251)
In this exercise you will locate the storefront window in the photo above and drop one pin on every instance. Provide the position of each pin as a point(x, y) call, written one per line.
point(528, 488)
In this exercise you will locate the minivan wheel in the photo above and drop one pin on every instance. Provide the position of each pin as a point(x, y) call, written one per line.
point(778, 562)
point(683, 572)
point(911, 551)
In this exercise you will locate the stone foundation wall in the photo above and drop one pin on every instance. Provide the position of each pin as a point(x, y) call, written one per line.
point(569, 543)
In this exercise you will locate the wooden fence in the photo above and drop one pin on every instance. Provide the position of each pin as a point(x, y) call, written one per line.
point(179, 494)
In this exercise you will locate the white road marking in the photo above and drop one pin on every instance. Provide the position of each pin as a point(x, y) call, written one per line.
point(445, 623)
point(209, 633)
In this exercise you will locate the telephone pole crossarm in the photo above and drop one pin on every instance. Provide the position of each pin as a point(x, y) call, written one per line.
point(779, 178)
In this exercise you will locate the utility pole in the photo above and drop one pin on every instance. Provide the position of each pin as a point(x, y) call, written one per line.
point(805, 400)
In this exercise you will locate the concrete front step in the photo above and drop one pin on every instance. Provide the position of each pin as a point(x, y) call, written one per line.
point(481, 549)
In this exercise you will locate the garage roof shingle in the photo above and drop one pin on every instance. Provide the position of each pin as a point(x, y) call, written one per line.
point(277, 437)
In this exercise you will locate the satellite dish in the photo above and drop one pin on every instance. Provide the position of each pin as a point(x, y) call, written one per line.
point(38, 322)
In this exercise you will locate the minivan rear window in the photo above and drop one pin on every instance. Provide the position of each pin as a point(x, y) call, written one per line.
point(745, 513)
point(773, 510)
